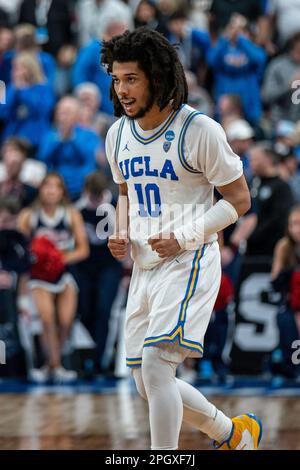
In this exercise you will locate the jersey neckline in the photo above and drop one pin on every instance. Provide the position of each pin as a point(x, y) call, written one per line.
point(155, 133)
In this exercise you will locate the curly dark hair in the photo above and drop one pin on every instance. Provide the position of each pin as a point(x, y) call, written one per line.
point(156, 57)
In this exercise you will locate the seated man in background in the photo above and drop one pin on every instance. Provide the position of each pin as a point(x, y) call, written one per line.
point(70, 149)
point(14, 153)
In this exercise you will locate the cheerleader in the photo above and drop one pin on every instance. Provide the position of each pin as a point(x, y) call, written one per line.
point(58, 240)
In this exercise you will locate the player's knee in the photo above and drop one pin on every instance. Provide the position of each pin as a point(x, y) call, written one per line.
point(137, 375)
point(153, 368)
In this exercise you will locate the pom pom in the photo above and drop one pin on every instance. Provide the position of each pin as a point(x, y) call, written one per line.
point(47, 260)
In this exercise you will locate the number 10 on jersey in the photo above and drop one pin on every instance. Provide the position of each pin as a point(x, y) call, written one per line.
point(149, 200)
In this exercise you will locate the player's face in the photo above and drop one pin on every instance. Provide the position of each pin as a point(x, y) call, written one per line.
point(132, 88)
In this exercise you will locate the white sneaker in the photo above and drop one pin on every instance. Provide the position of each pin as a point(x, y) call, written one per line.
point(39, 376)
point(62, 375)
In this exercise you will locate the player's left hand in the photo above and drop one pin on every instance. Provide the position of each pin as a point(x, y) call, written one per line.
point(165, 247)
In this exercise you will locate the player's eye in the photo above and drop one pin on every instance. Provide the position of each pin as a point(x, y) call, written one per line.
point(116, 81)
point(131, 79)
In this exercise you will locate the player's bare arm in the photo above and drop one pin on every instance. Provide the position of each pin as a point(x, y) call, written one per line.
point(237, 193)
point(118, 242)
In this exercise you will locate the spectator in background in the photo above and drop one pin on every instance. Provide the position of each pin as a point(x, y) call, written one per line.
point(14, 266)
point(87, 67)
point(100, 273)
point(284, 131)
point(70, 149)
point(237, 65)
point(29, 101)
point(277, 87)
point(25, 41)
point(273, 199)
point(56, 220)
point(147, 13)
point(14, 153)
point(286, 280)
point(193, 44)
point(222, 10)
point(253, 10)
point(285, 17)
point(288, 168)
point(240, 137)
point(66, 57)
point(95, 15)
point(90, 97)
point(53, 20)
point(198, 97)
point(167, 7)
point(9, 11)
point(6, 43)
point(229, 108)
point(199, 14)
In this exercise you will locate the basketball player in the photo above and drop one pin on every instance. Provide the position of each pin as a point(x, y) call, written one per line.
point(164, 153)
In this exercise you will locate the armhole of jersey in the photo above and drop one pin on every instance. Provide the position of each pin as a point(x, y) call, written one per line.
point(182, 158)
point(118, 141)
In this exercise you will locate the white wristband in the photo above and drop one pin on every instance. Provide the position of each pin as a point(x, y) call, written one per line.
point(215, 219)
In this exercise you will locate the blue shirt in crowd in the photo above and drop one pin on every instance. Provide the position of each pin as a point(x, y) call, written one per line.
point(47, 62)
point(192, 48)
point(73, 158)
point(238, 69)
point(87, 68)
point(27, 112)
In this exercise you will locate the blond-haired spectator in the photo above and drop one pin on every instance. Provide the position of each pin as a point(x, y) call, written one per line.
point(29, 101)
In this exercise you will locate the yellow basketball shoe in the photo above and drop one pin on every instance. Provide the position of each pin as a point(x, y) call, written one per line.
point(245, 435)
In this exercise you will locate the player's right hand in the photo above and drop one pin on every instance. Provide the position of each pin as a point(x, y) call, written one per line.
point(118, 245)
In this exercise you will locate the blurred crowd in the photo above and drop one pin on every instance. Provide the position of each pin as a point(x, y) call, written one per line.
point(242, 64)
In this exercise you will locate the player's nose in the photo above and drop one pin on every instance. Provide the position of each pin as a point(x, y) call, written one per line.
point(122, 90)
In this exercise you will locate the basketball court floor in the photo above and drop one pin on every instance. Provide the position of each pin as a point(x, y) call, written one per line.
point(108, 414)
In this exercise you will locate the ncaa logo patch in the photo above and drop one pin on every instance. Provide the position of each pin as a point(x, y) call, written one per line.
point(169, 135)
point(167, 146)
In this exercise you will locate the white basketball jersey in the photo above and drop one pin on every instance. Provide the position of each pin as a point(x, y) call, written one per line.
point(169, 172)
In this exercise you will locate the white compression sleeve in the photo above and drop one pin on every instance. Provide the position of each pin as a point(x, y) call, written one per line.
point(164, 400)
point(215, 219)
point(197, 410)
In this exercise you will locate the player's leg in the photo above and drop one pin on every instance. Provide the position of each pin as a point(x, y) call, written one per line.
point(164, 399)
point(197, 410)
point(189, 288)
point(240, 433)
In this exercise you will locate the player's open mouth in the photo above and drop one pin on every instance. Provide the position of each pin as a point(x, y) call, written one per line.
point(128, 104)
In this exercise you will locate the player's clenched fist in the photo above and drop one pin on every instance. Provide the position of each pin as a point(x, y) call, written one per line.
point(118, 244)
point(165, 247)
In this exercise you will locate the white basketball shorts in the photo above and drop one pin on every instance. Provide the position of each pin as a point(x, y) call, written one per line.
point(170, 305)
